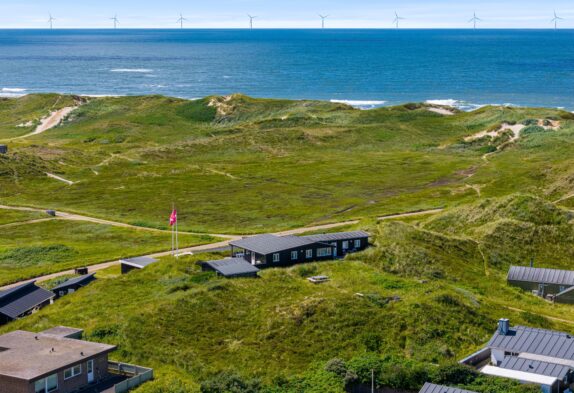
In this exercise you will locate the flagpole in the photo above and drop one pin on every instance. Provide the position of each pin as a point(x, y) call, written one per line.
point(172, 234)
point(176, 238)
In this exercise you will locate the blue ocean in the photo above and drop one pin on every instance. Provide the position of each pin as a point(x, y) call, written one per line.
point(366, 68)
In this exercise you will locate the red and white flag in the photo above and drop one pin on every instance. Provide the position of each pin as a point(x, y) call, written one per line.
point(173, 218)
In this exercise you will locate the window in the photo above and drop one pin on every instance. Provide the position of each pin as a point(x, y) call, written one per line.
point(324, 252)
point(46, 385)
point(358, 243)
point(562, 288)
point(72, 371)
point(309, 253)
point(276, 257)
point(294, 255)
point(345, 244)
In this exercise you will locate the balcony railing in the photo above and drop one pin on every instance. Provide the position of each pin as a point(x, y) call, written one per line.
point(136, 375)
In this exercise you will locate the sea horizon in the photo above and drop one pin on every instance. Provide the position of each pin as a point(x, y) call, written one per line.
point(367, 68)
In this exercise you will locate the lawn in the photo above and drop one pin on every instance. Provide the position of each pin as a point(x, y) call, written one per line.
point(14, 216)
point(41, 248)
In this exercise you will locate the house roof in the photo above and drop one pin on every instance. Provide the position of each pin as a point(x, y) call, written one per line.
point(232, 267)
point(432, 388)
point(81, 280)
point(139, 262)
point(63, 331)
point(26, 355)
point(548, 345)
point(268, 244)
point(535, 367)
point(325, 237)
point(22, 298)
point(541, 275)
point(519, 375)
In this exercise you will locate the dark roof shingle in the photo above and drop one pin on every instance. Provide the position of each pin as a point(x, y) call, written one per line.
point(139, 262)
point(548, 343)
point(232, 267)
point(432, 388)
point(541, 275)
point(326, 237)
point(267, 244)
point(21, 299)
point(81, 280)
point(535, 367)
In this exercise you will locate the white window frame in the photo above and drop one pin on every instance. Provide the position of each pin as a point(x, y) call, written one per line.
point(294, 255)
point(309, 253)
point(75, 371)
point(345, 245)
point(358, 243)
point(276, 257)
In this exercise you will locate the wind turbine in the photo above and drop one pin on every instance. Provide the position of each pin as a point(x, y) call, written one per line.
point(181, 20)
point(555, 20)
point(251, 21)
point(116, 21)
point(474, 19)
point(51, 22)
point(323, 17)
point(397, 19)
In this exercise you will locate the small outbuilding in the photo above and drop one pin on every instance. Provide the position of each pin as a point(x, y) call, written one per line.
point(22, 300)
point(73, 284)
point(127, 265)
point(554, 284)
point(3, 149)
point(432, 388)
point(231, 267)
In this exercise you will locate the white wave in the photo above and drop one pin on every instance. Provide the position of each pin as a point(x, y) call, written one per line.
point(361, 104)
point(465, 105)
point(12, 90)
point(135, 70)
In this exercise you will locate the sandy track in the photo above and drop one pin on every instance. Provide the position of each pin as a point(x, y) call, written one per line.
point(50, 121)
point(200, 248)
point(59, 178)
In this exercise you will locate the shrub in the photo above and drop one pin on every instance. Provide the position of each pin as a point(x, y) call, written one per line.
point(227, 382)
point(454, 374)
point(532, 130)
point(336, 366)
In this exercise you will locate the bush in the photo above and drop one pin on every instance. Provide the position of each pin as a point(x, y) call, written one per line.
point(530, 122)
point(336, 366)
point(454, 374)
point(227, 382)
point(532, 130)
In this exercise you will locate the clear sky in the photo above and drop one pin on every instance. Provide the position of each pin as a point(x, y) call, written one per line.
point(284, 14)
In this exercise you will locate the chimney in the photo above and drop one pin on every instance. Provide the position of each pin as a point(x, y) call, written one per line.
point(503, 326)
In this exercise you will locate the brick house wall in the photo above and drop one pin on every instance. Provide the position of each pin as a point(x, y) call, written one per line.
point(13, 385)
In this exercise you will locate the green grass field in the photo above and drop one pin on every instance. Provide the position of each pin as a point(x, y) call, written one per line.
point(13, 216)
point(427, 293)
point(263, 165)
point(32, 250)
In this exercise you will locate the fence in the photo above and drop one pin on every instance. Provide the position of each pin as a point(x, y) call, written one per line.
point(138, 375)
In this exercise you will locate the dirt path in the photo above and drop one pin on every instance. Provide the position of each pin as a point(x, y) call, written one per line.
point(50, 121)
point(77, 217)
point(543, 315)
point(68, 182)
point(202, 248)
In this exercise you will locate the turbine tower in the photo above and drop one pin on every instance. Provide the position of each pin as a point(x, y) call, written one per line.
point(181, 20)
point(397, 20)
point(323, 17)
point(116, 21)
point(474, 19)
point(251, 21)
point(51, 22)
point(555, 20)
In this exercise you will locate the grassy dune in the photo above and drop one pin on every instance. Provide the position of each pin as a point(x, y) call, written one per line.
point(425, 294)
point(259, 165)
